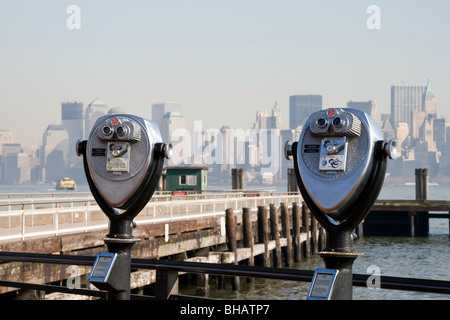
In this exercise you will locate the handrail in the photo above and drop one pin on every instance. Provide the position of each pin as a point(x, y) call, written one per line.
point(82, 215)
point(155, 198)
point(386, 282)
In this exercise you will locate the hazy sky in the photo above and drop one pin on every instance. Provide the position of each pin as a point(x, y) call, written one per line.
point(224, 60)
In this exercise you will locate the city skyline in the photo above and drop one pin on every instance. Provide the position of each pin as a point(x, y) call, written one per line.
point(222, 61)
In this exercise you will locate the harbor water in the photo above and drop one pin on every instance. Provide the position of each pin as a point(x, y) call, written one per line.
point(426, 258)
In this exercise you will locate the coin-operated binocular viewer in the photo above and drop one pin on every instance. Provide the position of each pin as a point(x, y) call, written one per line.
point(123, 160)
point(340, 164)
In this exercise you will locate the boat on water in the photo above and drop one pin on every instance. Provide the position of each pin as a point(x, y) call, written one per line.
point(66, 184)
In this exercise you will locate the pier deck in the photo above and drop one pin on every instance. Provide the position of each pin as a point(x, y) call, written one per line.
point(257, 228)
point(191, 228)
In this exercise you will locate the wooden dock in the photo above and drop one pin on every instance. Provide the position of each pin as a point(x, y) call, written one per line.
point(256, 229)
point(274, 234)
point(404, 218)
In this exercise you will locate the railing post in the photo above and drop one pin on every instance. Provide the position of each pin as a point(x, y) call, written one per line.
point(85, 215)
point(166, 284)
point(56, 220)
point(23, 222)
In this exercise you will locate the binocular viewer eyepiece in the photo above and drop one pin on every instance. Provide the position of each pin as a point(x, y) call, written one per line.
point(123, 159)
point(336, 159)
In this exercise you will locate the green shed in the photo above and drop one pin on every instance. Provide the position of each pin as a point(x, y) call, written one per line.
point(192, 178)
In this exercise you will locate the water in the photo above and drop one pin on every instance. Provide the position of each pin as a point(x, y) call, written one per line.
point(427, 258)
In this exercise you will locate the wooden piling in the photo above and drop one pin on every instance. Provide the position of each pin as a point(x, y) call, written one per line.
point(263, 234)
point(248, 233)
point(306, 215)
point(248, 236)
point(275, 230)
point(323, 238)
point(297, 223)
point(314, 235)
point(241, 179)
point(421, 175)
point(230, 225)
point(412, 215)
point(202, 280)
point(286, 226)
point(234, 179)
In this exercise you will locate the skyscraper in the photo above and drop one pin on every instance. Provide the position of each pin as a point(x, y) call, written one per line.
point(170, 122)
point(94, 110)
point(370, 107)
point(301, 107)
point(53, 151)
point(405, 100)
point(161, 108)
point(72, 121)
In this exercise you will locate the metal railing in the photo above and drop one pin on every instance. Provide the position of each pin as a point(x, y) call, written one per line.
point(40, 218)
point(360, 280)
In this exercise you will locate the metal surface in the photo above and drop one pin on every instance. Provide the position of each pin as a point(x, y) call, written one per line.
point(335, 190)
point(123, 160)
point(122, 156)
point(322, 284)
point(340, 164)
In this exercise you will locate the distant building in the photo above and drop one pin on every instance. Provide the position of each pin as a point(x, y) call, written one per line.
point(301, 107)
point(116, 110)
point(406, 100)
point(94, 110)
point(10, 173)
point(6, 136)
point(416, 107)
point(72, 120)
point(370, 107)
point(264, 121)
point(193, 178)
point(53, 153)
point(261, 120)
point(439, 133)
point(170, 122)
point(274, 121)
point(161, 108)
